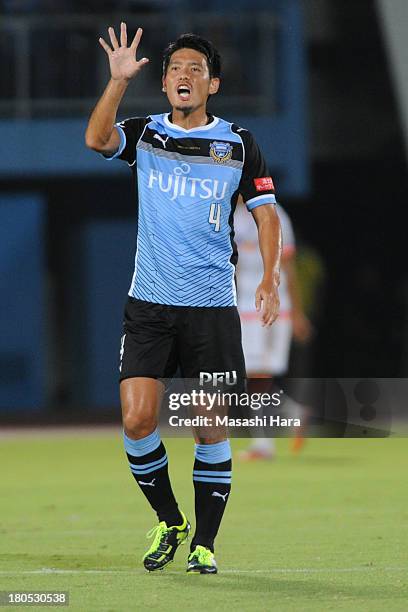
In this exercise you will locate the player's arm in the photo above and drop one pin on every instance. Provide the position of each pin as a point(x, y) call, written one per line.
point(270, 245)
point(101, 134)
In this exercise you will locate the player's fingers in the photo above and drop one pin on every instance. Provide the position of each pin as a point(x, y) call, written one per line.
point(267, 299)
point(136, 39)
point(271, 319)
point(265, 308)
point(144, 60)
point(105, 46)
point(258, 301)
point(268, 320)
point(275, 310)
point(271, 311)
point(123, 34)
point(113, 38)
point(266, 315)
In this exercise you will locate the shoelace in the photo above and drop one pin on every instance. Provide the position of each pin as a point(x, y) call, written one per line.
point(157, 532)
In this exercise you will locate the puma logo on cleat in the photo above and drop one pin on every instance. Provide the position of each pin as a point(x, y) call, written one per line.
point(147, 484)
point(216, 494)
point(162, 140)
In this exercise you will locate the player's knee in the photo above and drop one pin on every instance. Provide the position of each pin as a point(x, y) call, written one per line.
point(137, 425)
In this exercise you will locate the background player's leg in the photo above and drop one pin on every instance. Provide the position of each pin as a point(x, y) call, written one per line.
point(261, 446)
point(141, 399)
point(267, 356)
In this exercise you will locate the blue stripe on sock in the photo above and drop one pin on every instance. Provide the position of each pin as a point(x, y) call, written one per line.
point(209, 473)
point(143, 466)
point(149, 467)
point(146, 445)
point(203, 479)
point(213, 453)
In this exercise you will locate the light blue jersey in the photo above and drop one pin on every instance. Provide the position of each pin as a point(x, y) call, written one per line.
point(187, 185)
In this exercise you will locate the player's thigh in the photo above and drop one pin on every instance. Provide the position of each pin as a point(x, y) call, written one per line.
point(148, 341)
point(146, 356)
point(210, 345)
point(210, 341)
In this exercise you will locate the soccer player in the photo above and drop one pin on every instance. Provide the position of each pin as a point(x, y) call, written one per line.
point(189, 168)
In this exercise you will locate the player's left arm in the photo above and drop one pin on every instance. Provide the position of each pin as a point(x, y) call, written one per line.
point(258, 192)
point(270, 245)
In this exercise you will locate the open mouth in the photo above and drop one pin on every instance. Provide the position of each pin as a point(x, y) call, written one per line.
point(184, 91)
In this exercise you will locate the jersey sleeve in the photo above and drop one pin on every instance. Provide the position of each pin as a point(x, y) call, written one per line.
point(129, 131)
point(256, 186)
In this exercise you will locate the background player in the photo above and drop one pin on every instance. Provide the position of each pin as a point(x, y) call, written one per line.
point(189, 167)
point(267, 350)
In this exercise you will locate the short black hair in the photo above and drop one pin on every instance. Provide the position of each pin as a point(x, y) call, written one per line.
point(193, 41)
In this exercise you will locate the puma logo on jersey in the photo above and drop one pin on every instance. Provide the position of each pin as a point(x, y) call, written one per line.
point(162, 140)
point(216, 494)
point(147, 484)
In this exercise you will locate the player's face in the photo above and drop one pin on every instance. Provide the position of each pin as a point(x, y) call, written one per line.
point(187, 81)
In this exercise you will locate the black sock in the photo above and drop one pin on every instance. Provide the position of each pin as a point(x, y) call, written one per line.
point(212, 485)
point(149, 466)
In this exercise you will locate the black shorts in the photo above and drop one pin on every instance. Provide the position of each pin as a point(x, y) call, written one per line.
point(159, 341)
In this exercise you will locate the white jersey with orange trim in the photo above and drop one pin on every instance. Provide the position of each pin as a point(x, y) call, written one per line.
point(266, 349)
point(250, 267)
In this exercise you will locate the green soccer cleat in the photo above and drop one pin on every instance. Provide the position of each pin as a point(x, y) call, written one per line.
point(165, 543)
point(201, 561)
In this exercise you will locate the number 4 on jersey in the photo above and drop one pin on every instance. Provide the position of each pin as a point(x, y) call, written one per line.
point(215, 216)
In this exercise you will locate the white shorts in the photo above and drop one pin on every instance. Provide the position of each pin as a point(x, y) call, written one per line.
point(266, 349)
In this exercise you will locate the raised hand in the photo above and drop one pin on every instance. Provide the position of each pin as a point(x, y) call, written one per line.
point(122, 59)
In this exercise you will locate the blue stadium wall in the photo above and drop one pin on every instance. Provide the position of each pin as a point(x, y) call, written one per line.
point(23, 341)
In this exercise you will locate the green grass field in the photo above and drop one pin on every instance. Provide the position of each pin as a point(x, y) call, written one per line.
point(325, 530)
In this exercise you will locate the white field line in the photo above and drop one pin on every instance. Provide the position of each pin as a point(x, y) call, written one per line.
point(277, 570)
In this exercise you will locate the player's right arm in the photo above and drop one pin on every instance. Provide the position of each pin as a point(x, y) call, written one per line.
point(101, 134)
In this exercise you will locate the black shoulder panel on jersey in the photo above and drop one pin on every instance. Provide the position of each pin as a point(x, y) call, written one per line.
point(133, 129)
point(247, 139)
point(255, 171)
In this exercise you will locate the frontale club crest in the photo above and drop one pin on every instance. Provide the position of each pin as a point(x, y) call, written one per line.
point(221, 152)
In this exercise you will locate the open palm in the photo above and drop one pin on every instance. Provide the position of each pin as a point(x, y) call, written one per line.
point(122, 59)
